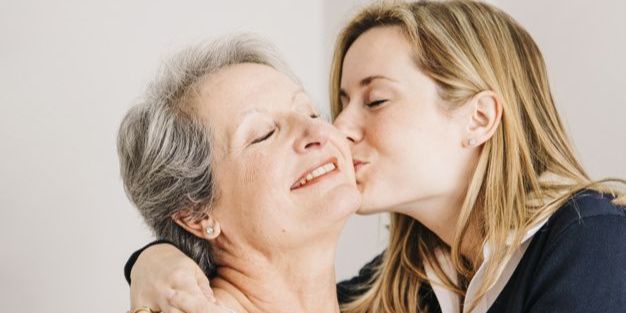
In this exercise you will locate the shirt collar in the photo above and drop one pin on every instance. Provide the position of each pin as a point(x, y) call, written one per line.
point(450, 301)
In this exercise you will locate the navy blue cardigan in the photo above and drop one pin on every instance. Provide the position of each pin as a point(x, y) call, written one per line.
point(575, 263)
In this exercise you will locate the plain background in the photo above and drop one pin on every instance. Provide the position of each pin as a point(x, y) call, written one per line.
point(69, 70)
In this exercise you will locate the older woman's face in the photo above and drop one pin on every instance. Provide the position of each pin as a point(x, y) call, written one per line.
point(283, 176)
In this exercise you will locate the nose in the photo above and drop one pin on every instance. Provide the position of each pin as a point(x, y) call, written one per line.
point(314, 136)
point(349, 125)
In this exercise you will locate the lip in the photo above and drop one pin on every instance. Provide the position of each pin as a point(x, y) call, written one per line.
point(305, 173)
point(358, 164)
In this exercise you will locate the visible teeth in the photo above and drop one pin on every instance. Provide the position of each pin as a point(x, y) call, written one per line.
point(317, 173)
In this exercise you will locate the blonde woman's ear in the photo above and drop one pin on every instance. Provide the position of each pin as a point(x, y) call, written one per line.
point(203, 226)
point(485, 117)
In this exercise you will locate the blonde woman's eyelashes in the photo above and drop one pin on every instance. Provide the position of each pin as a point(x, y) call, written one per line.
point(375, 103)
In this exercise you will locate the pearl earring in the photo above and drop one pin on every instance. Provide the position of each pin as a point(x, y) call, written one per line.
point(210, 230)
point(471, 142)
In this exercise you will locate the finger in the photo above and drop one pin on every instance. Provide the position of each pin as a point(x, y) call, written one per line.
point(181, 279)
point(156, 306)
point(195, 283)
point(205, 285)
point(139, 298)
point(171, 309)
point(164, 303)
point(186, 285)
point(207, 292)
point(190, 303)
point(166, 307)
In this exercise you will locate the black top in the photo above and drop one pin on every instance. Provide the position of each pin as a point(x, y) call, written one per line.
point(575, 263)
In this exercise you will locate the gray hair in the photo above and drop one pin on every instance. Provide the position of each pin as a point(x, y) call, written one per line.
point(165, 149)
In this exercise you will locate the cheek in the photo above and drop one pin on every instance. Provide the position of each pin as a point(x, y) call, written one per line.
point(258, 170)
point(443, 165)
point(404, 136)
point(255, 203)
point(418, 149)
point(264, 181)
point(250, 181)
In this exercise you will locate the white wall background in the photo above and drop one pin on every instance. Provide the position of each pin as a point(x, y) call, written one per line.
point(584, 45)
point(70, 69)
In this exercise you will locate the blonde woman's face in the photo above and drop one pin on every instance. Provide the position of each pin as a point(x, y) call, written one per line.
point(408, 150)
point(283, 175)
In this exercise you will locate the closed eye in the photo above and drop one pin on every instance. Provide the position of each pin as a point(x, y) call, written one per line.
point(265, 137)
point(376, 103)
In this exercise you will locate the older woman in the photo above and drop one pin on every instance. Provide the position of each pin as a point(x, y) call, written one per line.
point(225, 157)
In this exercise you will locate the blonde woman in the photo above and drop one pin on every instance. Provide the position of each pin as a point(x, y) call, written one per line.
point(454, 131)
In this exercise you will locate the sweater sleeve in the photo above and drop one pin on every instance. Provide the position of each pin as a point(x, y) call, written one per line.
point(583, 269)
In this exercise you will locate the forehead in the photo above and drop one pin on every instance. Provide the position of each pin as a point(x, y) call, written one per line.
point(377, 51)
point(226, 96)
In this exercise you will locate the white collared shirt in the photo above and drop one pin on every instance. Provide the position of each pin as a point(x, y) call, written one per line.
point(450, 301)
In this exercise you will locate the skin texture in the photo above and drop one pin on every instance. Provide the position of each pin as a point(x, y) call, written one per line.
point(411, 146)
point(274, 244)
point(248, 102)
point(414, 152)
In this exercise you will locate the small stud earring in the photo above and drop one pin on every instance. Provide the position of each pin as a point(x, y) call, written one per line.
point(471, 142)
point(210, 230)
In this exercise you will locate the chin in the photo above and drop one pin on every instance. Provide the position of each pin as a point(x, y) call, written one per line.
point(342, 201)
point(366, 210)
point(369, 207)
point(375, 203)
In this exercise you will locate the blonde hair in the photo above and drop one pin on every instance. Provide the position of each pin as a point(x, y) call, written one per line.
point(467, 47)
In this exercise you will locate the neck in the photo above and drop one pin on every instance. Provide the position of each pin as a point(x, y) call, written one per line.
point(294, 280)
point(444, 223)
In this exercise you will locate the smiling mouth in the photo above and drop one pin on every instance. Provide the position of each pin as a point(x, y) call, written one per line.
point(315, 174)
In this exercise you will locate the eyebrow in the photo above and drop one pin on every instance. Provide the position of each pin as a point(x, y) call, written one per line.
point(364, 82)
point(244, 116)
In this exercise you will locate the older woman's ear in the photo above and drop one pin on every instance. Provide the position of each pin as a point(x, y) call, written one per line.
point(203, 226)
